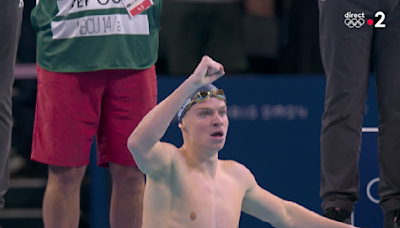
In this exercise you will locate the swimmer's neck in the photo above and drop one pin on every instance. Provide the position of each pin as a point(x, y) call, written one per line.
point(205, 162)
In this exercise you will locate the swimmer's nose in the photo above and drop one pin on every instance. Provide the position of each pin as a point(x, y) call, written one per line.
point(217, 121)
point(217, 124)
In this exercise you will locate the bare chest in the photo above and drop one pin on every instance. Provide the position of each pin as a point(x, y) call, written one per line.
point(208, 203)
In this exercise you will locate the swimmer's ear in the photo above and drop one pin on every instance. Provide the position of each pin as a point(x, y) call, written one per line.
point(180, 125)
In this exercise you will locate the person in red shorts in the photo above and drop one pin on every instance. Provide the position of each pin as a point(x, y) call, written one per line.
point(96, 77)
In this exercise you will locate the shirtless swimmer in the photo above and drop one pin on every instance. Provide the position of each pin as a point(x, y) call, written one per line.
point(189, 187)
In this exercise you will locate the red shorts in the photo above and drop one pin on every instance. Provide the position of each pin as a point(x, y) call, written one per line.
point(71, 108)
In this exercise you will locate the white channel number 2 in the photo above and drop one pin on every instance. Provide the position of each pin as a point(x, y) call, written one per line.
point(381, 15)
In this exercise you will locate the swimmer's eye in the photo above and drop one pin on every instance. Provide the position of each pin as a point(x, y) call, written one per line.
point(222, 113)
point(204, 114)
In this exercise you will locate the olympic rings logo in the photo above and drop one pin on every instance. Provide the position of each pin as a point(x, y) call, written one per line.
point(354, 22)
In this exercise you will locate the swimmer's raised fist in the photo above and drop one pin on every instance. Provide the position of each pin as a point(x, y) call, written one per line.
point(206, 72)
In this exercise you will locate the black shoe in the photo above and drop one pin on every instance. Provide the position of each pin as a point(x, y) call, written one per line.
point(392, 219)
point(338, 215)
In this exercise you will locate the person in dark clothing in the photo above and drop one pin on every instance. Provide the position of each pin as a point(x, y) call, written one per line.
point(10, 27)
point(351, 39)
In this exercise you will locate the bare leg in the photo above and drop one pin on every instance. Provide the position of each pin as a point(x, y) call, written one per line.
point(61, 200)
point(127, 197)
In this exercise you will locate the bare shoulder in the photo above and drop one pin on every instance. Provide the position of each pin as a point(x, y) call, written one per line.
point(238, 171)
point(234, 167)
point(176, 154)
point(161, 160)
point(171, 148)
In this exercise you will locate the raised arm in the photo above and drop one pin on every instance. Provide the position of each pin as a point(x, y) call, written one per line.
point(144, 143)
point(278, 212)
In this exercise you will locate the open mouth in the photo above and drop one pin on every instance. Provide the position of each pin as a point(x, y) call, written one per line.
point(218, 134)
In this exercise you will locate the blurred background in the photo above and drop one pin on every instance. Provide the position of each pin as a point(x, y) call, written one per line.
point(275, 87)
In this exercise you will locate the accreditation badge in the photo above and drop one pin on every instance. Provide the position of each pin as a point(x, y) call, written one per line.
point(135, 7)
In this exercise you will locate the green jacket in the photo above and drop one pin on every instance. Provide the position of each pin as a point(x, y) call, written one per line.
point(90, 35)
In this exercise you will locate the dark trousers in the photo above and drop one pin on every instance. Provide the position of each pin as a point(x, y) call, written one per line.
point(346, 54)
point(10, 25)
